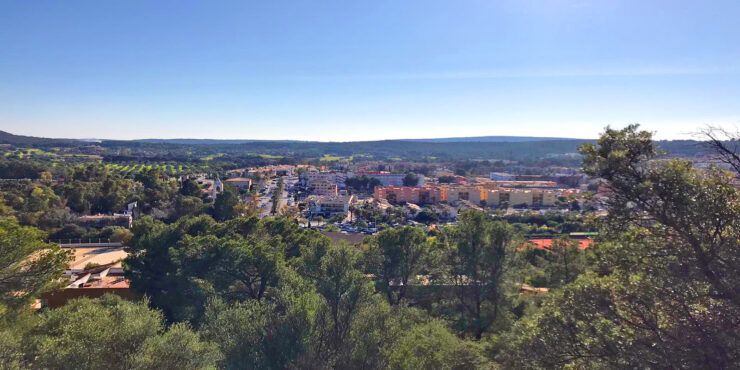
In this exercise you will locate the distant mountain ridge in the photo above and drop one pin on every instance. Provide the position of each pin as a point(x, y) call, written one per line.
point(213, 141)
point(8, 138)
point(482, 147)
point(491, 139)
point(477, 139)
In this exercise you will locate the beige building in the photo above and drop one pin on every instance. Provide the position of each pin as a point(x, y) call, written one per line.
point(473, 194)
point(518, 197)
point(324, 187)
point(330, 205)
point(407, 194)
point(240, 182)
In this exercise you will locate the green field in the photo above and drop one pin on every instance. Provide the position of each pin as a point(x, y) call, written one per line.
point(330, 158)
point(168, 168)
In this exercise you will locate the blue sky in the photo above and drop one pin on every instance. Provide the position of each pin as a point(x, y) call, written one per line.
point(345, 70)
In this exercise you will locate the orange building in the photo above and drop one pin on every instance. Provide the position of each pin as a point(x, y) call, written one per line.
point(407, 194)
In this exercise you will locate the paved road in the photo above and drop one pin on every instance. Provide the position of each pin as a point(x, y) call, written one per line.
point(264, 202)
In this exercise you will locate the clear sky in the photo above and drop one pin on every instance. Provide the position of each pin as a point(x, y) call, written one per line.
point(362, 70)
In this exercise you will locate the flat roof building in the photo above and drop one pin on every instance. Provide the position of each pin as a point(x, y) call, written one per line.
point(407, 194)
point(240, 182)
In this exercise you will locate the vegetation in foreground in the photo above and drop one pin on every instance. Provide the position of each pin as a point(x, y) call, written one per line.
point(658, 289)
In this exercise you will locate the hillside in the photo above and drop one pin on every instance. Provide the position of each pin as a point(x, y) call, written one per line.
point(491, 139)
point(20, 140)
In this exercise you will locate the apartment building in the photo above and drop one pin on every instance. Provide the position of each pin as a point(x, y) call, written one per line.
point(324, 187)
point(331, 204)
point(474, 194)
point(520, 197)
point(334, 177)
point(407, 194)
point(468, 194)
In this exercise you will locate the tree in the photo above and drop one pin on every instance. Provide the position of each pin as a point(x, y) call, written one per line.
point(664, 292)
point(479, 256)
point(724, 144)
point(362, 183)
point(264, 334)
point(190, 188)
point(411, 179)
point(397, 256)
point(182, 266)
point(177, 348)
point(427, 216)
point(236, 269)
point(28, 266)
point(188, 206)
point(563, 262)
point(446, 179)
point(153, 272)
point(432, 346)
point(345, 291)
point(226, 205)
point(122, 236)
point(332, 228)
point(110, 333)
point(277, 196)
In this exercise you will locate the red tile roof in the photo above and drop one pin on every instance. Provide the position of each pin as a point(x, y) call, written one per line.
point(547, 243)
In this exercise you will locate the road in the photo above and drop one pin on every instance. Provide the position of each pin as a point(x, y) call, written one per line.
point(264, 202)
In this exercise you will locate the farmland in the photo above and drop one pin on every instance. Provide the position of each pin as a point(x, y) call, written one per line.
point(168, 168)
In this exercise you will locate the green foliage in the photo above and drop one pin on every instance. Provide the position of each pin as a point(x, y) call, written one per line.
point(345, 292)
point(363, 183)
point(433, 346)
point(478, 260)
point(226, 205)
point(332, 228)
point(264, 334)
point(427, 216)
point(20, 169)
point(182, 265)
point(395, 257)
point(28, 266)
point(557, 266)
point(277, 196)
point(658, 288)
point(664, 292)
point(190, 188)
point(178, 348)
point(113, 334)
point(446, 179)
point(411, 179)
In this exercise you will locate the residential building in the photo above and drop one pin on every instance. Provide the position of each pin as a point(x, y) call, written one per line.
point(334, 177)
point(330, 205)
point(92, 272)
point(474, 194)
point(520, 197)
point(243, 183)
point(407, 194)
point(323, 187)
